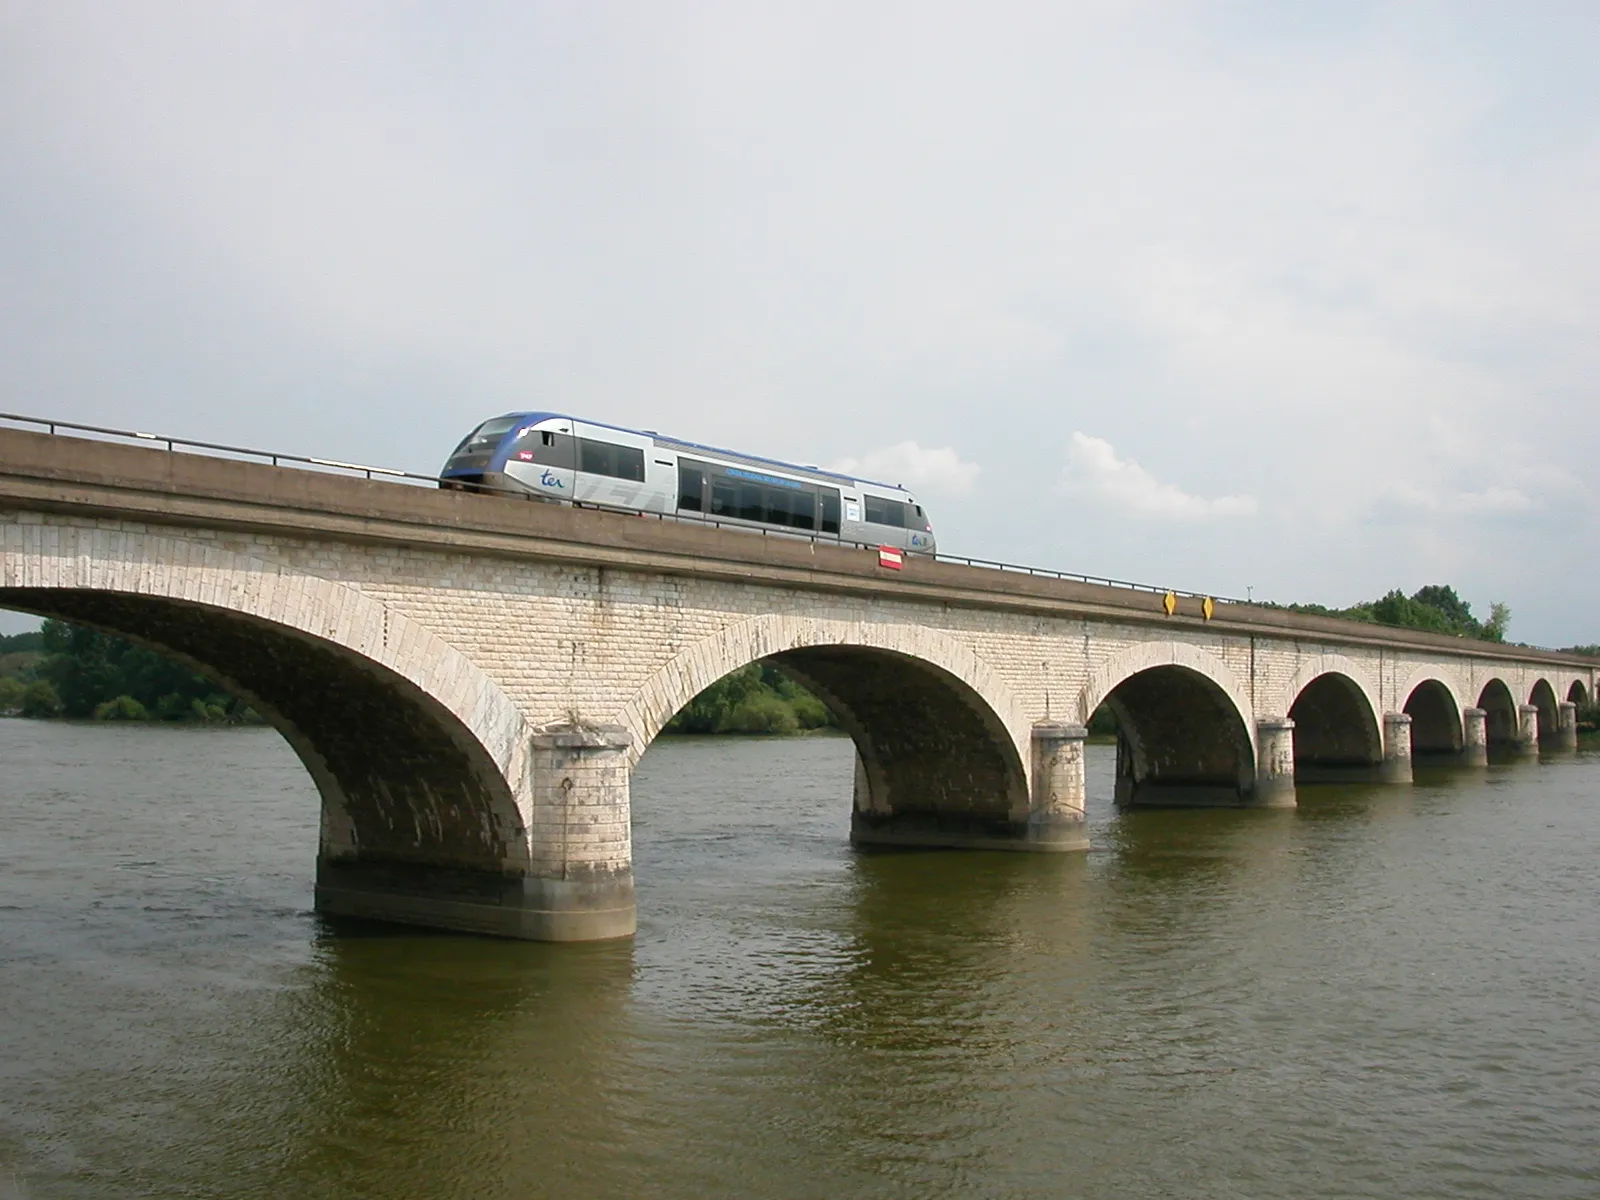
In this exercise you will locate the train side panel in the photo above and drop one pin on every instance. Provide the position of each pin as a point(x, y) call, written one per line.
point(613, 469)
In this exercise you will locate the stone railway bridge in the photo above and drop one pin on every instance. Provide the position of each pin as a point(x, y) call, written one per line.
point(470, 680)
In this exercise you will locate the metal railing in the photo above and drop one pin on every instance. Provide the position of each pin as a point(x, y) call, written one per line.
point(280, 459)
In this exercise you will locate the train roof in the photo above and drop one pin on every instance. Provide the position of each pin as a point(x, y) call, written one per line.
point(688, 445)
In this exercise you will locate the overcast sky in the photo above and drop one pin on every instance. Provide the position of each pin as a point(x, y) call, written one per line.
point(1295, 298)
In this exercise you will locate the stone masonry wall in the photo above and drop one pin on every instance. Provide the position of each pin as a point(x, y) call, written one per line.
point(605, 645)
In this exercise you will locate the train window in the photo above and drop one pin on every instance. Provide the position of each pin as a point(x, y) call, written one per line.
point(751, 507)
point(495, 429)
point(724, 499)
point(691, 487)
point(485, 436)
point(549, 448)
point(596, 459)
point(607, 458)
point(885, 512)
point(778, 507)
point(803, 509)
point(830, 510)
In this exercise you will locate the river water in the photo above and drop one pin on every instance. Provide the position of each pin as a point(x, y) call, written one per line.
point(1388, 992)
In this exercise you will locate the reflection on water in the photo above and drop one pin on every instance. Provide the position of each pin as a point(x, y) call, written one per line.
point(1388, 992)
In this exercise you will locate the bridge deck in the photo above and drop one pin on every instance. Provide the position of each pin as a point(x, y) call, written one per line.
point(82, 475)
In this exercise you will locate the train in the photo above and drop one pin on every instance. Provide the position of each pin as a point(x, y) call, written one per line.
point(567, 460)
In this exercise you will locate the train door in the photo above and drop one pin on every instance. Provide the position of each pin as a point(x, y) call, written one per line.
point(543, 459)
point(853, 529)
point(694, 482)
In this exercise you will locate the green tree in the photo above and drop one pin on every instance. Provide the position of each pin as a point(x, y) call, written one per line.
point(11, 694)
point(709, 711)
point(757, 698)
point(762, 711)
point(79, 667)
point(39, 699)
point(1494, 629)
point(1437, 608)
point(88, 668)
point(1443, 599)
point(123, 708)
point(18, 643)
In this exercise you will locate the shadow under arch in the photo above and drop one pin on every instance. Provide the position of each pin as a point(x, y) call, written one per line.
point(939, 758)
point(405, 785)
point(1336, 730)
point(1181, 740)
point(1435, 719)
point(1577, 693)
point(1500, 713)
point(1543, 697)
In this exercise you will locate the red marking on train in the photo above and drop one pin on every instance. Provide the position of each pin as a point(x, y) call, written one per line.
point(891, 557)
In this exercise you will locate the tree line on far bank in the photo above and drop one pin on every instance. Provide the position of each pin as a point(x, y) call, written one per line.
point(66, 670)
point(1435, 608)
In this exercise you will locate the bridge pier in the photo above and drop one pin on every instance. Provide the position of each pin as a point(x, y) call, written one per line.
point(579, 882)
point(1274, 764)
point(1396, 748)
point(1567, 728)
point(1056, 813)
point(1474, 737)
point(1526, 744)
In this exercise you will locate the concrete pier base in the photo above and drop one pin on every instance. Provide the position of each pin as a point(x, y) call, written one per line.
point(510, 906)
point(1396, 748)
point(1526, 744)
point(1056, 807)
point(579, 883)
point(1274, 786)
point(1567, 727)
point(581, 837)
point(1474, 737)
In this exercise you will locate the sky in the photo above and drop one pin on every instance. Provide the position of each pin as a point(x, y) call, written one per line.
point(1295, 301)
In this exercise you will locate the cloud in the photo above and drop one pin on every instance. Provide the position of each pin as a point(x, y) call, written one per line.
point(934, 468)
point(1411, 501)
point(1489, 502)
point(1352, 253)
point(1515, 489)
point(1095, 472)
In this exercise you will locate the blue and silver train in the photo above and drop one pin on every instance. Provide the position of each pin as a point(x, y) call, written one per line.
point(547, 456)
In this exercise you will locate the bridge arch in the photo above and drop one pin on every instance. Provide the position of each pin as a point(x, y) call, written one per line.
point(939, 736)
point(418, 756)
point(1357, 679)
point(1185, 727)
point(1501, 719)
point(1436, 726)
point(1336, 722)
point(1577, 693)
point(1543, 697)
